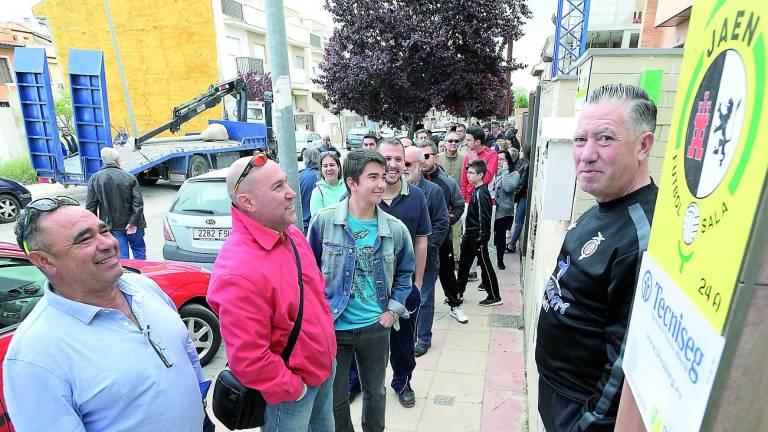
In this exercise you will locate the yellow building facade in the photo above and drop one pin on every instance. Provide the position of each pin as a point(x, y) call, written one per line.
point(167, 48)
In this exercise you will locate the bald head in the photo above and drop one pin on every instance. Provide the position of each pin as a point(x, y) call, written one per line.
point(263, 195)
point(414, 159)
point(413, 153)
point(233, 174)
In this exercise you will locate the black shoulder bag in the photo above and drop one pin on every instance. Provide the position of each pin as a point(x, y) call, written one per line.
point(237, 406)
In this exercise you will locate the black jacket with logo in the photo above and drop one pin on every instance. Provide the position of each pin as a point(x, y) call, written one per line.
point(587, 300)
point(479, 214)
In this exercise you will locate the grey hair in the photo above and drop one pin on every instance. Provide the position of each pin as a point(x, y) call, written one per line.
point(431, 144)
point(33, 221)
point(109, 155)
point(641, 113)
point(311, 157)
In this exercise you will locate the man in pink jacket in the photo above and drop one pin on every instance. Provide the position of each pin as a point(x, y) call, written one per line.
point(254, 289)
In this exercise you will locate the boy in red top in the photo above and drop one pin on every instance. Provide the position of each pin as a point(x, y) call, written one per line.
point(254, 289)
point(476, 150)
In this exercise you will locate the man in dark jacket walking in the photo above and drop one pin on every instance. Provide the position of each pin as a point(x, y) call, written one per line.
point(115, 197)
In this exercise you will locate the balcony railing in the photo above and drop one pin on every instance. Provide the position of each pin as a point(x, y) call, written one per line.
point(232, 9)
point(249, 64)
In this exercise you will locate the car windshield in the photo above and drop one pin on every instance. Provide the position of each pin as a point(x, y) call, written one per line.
point(301, 137)
point(358, 131)
point(203, 198)
point(21, 287)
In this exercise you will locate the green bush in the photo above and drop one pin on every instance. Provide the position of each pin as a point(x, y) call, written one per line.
point(20, 170)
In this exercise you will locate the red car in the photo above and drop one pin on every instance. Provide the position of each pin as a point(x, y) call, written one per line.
point(21, 286)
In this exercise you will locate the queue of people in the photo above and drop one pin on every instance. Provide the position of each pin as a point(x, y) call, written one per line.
point(359, 284)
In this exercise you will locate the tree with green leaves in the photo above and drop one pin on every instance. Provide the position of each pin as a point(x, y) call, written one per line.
point(62, 106)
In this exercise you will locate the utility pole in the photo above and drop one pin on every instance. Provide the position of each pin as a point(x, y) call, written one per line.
point(282, 108)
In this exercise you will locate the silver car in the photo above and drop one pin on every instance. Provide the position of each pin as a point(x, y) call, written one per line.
point(199, 220)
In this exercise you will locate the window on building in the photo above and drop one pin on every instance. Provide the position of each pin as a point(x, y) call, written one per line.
point(315, 40)
point(315, 68)
point(634, 40)
point(299, 62)
point(260, 51)
point(5, 71)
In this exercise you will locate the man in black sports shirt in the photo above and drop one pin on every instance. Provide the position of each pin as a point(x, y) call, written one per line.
point(587, 300)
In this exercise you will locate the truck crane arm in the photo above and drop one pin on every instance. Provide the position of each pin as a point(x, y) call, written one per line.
point(209, 99)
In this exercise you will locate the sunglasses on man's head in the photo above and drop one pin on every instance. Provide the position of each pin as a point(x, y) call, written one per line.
point(42, 205)
point(259, 159)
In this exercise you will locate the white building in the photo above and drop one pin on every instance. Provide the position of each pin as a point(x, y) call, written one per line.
point(241, 28)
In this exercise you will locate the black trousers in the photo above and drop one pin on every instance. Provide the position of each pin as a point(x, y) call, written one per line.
point(500, 228)
point(471, 249)
point(447, 273)
point(560, 414)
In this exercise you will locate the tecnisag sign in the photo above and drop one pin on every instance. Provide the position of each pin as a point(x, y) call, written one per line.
point(672, 353)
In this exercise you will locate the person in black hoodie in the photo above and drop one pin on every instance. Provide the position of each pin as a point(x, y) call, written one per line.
point(521, 198)
point(586, 302)
point(477, 233)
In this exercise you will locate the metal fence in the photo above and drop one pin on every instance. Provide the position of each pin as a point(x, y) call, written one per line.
point(232, 9)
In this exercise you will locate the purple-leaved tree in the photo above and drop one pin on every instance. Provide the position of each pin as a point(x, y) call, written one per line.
point(257, 84)
point(392, 60)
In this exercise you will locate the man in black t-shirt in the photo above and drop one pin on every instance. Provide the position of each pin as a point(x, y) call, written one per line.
point(587, 300)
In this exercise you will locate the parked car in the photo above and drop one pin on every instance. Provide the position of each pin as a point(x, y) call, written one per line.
point(199, 220)
point(305, 140)
point(21, 287)
point(355, 137)
point(13, 198)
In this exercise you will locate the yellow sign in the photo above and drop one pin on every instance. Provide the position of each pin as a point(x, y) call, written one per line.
point(717, 157)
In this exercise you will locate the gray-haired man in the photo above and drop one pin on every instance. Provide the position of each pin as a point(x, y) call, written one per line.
point(585, 311)
point(115, 197)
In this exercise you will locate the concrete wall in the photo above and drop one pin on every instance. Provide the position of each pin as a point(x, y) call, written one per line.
point(545, 237)
point(168, 50)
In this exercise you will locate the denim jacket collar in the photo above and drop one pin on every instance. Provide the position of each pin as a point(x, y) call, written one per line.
point(341, 213)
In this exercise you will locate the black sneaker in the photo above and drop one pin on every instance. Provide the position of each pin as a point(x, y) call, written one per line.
point(407, 397)
point(501, 265)
point(473, 276)
point(491, 302)
point(481, 287)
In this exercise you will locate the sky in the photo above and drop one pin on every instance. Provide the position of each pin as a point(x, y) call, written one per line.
point(527, 50)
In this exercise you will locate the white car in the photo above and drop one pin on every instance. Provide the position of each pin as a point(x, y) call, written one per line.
point(199, 220)
point(305, 140)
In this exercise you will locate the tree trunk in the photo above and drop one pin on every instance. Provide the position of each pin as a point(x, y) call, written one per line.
point(411, 127)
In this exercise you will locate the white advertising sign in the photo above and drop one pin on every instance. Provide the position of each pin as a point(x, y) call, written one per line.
point(672, 353)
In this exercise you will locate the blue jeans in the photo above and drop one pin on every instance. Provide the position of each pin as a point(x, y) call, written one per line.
point(519, 222)
point(136, 242)
point(427, 308)
point(370, 346)
point(314, 412)
point(401, 343)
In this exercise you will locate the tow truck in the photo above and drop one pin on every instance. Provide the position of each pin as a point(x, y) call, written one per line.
point(174, 159)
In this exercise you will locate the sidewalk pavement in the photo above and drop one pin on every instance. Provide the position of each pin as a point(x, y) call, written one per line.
point(473, 377)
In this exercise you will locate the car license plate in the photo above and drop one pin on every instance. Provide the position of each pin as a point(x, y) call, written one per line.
point(211, 233)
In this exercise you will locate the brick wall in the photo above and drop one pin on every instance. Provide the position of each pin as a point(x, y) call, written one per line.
point(168, 51)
